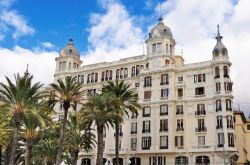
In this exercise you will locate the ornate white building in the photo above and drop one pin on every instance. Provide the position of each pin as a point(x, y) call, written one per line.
point(187, 115)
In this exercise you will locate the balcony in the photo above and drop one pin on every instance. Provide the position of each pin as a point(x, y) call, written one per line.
point(230, 145)
point(164, 130)
point(226, 76)
point(203, 129)
point(146, 131)
point(216, 76)
point(179, 112)
point(163, 147)
point(201, 147)
point(218, 109)
point(180, 129)
point(220, 145)
point(200, 113)
point(120, 134)
point(164, 83)
point(164, 114)
point(219, 127)
point(229, 109)
point(133, 132)
point(230, 126)
point(145, 148)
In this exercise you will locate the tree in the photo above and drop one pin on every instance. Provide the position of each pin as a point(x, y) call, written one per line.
point(18, 98)
point(125, 100)
point(99, 110)
point(66, 92)
point(78, 137)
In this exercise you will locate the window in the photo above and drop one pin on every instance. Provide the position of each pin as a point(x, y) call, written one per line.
point(154, 161)
point(228, 86)
point(200, 78)
point(179, 125)
point(147, 95)
point(201, 126)
point(220, 139)
point(164, 79)
point(230, 122)
point(166, 48)
point(248, 127)
point(163, 110)
point(218, 87)
point(117, 73)
point(86, 161)
point(137, 84)
point(134, 115)
point(146, 126)
point(146, 112)
point(199, 91)
point(146, 143)
point(163, 142)
point(157, 48)
point(225, 69)
point(133, 143)
point(154, 48)
point(179, 109)
point(147, 81)
point(201, 141)
point(217, 72)
point(219, 122)
point(218, 105)
point(230, 140)
point(228, 105)
point(63, 65)
point(181, 160)
point(201, 109)
point(180, 92)
point(180, 79)
point(171, 49)
point(134, 128)
point(91, 92)
point(202, 160)
point(133, 72)
point(163, 125)
point(126, 73)
point(179, 141)
point(164, 93)
point(82, 78)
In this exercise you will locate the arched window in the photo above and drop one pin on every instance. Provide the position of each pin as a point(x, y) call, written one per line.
point(103, 75)
point(117, 74)
point(218, 105)
point(202, 160)
point(96, 77)
point(228, 105)
point(133, 72)
point(88, 79)
point(121, 73)
point(110, 74)
point(120, 161)
point(217, 72)
point(181, 160)
point(86, 161)
point(126, 73)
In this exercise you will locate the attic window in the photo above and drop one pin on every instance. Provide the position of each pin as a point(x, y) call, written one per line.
point(165, 31)
point(70, 51)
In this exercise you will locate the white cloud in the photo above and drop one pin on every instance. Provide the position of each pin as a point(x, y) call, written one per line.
point(18, 22)
point(113, 35)
point(41, 64)
point(47, 45)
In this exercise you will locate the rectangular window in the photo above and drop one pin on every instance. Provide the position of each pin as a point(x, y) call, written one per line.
point(137, 85)
point(248, 127)
point(230, 122)
point(164, 93)
point(147, 95)
point(220, 139)
point(147, 81)
point(201, 126)
point(146, 111)
point(219, 122)
point(164, 79)
point(179, 109)
point(200, 78)
point(134, 128)
point(146, 126)
point(199, 91)
point(179, 141)
point(230, 139)
point(201, 141)
point(163, 142)
point(134, 115)
point(154, 48)
point(159, 47)
point(228, 86)
point(133, 144)
point(163, 125)
point(226, 74)
point(146, 143)
point(218, 87)
point(217, 72)
point(180, 92)
point(163, 110)
point(179, 125)
point(180, 79)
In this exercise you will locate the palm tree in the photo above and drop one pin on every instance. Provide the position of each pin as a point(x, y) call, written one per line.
point(125, 100)
point(66, 92)
point(100, 111)
point(78, 137)
point(18, 98)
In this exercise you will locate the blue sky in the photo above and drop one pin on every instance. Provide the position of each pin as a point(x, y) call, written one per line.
point(33, 32)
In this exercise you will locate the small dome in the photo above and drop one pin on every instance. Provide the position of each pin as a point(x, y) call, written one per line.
point(160, 30)
point(69, 50)
point(219, 48)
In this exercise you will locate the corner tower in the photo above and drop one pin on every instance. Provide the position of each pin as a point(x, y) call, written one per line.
point(160, 45)
point(69, 58)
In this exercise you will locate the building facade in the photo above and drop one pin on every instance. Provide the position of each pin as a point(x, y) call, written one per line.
point(187, 115)
point(242, 131)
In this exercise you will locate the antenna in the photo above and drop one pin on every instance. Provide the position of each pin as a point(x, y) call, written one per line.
point(160, 18)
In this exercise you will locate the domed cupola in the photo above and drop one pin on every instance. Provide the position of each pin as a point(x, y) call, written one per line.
point(160, 30)
point(69, 50)
point(220, 48)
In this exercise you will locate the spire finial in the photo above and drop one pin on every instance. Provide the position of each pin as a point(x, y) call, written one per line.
point(218, 37)
point(70, 41)
point(160, 18)
point(26, 73)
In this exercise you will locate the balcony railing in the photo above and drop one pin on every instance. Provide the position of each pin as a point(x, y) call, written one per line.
point(220, 145)
point(163, 147)
point(200, 112)
point(219, 127)
point(179, 112)
point(229, 109)
point(230, 126)
point(217, 76)
point(218, 109)
point(120, 134)
point(145, 148)
point(200, 147)
point(163, 113)
point(133, 132)
point(204, 129)
point(180, 129)
point(180, 147)
point(163, 130)
point(146, 131)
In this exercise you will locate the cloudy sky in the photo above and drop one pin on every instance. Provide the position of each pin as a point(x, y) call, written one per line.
point(105, 30)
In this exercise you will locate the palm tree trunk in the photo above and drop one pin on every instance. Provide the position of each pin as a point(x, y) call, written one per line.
point(74, 157)
point(117, 143)
point(61, 140)
point(14, 146)
point(28, 154)
point(7, 154)
point(100, 146)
